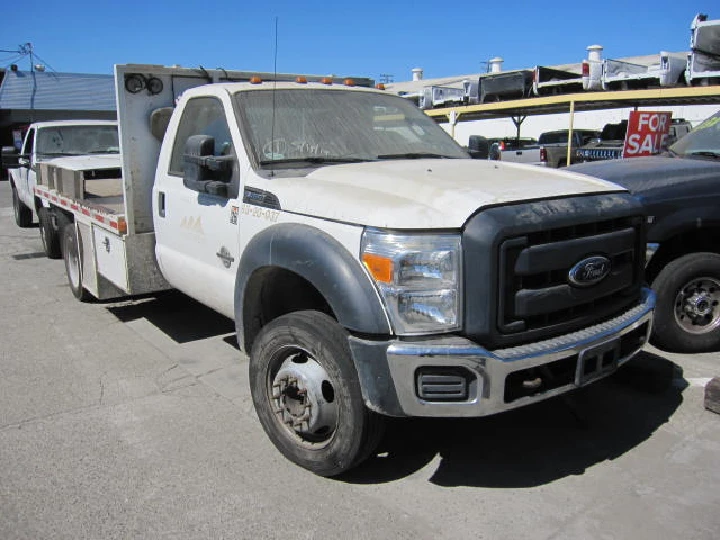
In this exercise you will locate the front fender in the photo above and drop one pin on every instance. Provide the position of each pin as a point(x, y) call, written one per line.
point(322, 261)
point(680, 221)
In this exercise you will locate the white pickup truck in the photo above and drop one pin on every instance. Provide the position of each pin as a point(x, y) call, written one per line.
point(372, 268)
point(46, 141)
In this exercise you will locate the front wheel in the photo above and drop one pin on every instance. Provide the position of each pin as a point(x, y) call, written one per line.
point(307, 395)
point(23, 215)
point(687, 314)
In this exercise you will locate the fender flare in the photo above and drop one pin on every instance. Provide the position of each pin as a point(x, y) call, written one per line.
point(322, 261)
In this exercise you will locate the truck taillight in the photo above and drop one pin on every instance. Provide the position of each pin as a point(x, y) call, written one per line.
point(543, 154)
point(585, 68)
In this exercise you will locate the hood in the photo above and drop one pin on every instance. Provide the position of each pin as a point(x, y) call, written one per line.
point(642, 175)
point(86, 162)
point(427, 194)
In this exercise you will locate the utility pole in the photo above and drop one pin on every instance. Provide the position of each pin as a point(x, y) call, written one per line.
point(27, 50)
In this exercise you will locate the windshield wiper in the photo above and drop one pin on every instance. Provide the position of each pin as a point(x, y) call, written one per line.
point(313, 160)
point(416, 155)
point(708, 153)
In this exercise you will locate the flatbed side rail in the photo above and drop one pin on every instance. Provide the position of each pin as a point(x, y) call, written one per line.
point(113, 222)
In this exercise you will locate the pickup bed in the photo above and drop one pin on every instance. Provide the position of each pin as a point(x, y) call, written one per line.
point(523, 150)
point(371, 267)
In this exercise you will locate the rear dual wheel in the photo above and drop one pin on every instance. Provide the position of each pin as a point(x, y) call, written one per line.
point(72, 253)
point(51, 234)
point(307, 394)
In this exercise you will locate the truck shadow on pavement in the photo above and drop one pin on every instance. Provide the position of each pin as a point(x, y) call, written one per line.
point(538, 444)
point(178, 316)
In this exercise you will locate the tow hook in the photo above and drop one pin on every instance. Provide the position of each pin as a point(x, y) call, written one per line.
point(532, 384)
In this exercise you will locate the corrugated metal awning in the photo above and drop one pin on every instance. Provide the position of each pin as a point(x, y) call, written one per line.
point(26, 90)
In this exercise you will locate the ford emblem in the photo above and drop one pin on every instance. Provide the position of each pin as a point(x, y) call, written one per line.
point(589, 271)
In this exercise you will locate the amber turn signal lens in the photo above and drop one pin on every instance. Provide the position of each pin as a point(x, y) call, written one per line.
point(380, 268)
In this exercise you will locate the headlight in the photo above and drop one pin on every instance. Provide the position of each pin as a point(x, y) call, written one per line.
point(419, 279)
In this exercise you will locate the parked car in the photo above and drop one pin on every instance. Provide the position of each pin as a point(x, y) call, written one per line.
point(478, 147)
point(681, 191)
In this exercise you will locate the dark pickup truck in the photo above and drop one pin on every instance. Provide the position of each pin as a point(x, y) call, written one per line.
point(681, 193)
point(554, 145)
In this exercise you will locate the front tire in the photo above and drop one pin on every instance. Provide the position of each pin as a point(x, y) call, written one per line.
point(72, 253)
point(23, 215)
point(307, 395)
point(687, 314)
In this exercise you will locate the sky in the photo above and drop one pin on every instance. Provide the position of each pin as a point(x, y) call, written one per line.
point(364, 38)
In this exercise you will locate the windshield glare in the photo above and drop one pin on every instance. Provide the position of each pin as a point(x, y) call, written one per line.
point(77, 140)
point(318, 125)
point(703, 138)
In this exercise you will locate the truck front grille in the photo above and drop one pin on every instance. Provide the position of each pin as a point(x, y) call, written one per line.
point(529, 269)
point(534, 286)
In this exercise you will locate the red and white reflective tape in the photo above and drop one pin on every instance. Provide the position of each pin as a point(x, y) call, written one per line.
point(116, 222)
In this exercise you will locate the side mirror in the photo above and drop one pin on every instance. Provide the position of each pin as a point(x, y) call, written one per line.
point(204, 171)
point(10, 159)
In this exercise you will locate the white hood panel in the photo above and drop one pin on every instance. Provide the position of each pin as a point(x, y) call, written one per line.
point(427, 194)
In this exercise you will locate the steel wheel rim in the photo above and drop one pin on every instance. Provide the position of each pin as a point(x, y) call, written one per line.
point(697, 306)
point(74, 263)
point(43, 234)
point(302, 397)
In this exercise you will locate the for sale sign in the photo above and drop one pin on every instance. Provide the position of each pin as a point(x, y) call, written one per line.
point(647, 133)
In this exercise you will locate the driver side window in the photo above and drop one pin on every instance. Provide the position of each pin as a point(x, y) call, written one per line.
point(202, 116)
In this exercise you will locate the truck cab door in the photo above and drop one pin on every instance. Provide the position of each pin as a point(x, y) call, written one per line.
point(196, 222)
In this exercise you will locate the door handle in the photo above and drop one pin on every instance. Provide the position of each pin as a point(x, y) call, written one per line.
point(161, 203)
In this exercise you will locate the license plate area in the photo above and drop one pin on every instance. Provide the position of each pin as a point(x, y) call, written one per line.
point(597, 361)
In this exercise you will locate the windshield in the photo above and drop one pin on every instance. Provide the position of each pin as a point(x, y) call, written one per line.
point(76, 140)
point(704, 140)
point(303, 128)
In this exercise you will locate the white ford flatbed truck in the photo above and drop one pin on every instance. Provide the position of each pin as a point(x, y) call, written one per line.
point(372, 268)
